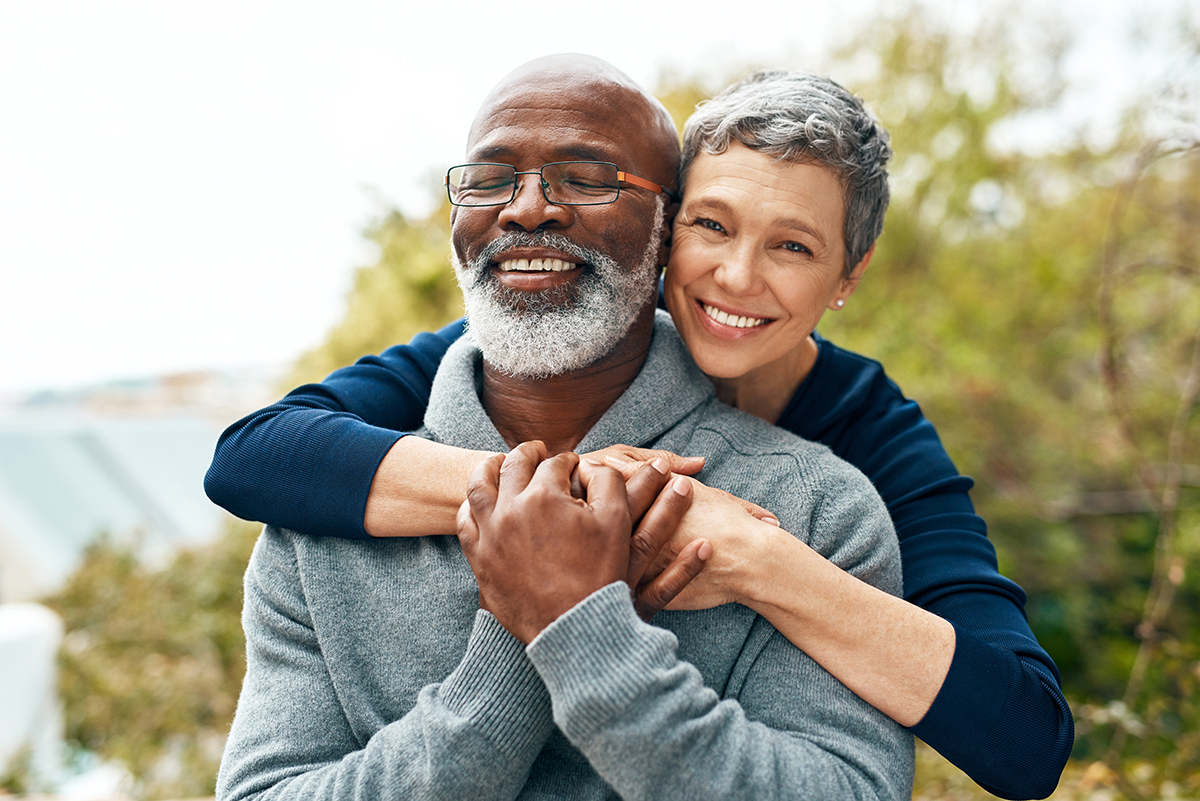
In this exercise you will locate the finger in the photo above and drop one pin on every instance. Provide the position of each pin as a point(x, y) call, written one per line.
point(757, 511)
point(626, 467)
point(645, 485)
point(656, 527)
point(484, 485)
point(753, 509)
point(519, 466)
point(555, 473)
point(604, 491)
point(652, 598)
point(684, 465)
point(468, 529)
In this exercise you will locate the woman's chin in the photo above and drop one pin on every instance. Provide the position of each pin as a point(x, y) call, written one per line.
point(722, 366)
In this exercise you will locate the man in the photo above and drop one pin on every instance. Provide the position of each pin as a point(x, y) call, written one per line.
point(404, 668)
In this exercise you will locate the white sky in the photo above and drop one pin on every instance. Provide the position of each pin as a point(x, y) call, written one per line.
point(183, 184)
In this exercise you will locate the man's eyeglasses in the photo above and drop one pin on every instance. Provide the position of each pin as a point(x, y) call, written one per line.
point(565, 183)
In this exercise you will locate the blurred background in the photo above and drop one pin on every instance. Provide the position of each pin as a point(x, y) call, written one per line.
point(202, 205)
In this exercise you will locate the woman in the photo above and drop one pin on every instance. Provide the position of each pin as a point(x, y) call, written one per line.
point(784, 191)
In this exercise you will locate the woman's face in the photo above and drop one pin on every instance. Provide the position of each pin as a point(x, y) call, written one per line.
point(757, 256)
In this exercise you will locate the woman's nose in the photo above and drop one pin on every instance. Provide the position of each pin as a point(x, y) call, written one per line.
point(738, 272)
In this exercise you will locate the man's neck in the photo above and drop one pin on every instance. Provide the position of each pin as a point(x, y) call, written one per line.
point(561, 410)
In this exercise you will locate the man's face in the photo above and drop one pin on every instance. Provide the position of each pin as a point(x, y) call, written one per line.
point(553, 288)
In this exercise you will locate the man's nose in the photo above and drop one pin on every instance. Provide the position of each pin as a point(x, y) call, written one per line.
point(530, 210)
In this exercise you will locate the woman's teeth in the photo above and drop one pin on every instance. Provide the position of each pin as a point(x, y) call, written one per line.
point(536, 265)
point(730, 320)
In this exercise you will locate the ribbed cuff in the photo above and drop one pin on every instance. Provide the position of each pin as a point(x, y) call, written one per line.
point(956, 714)
point(598, 658)
point(496, 687)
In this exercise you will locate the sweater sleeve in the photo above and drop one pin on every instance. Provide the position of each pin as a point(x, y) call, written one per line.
point(307, 462)
point(1000, 715)
point(474, 735)
point(652, 730)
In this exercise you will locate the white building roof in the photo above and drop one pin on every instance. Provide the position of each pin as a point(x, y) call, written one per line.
point(65, 479)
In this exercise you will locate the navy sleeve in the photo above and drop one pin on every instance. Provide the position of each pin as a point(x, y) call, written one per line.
point(1000, 716)
point(307, 462)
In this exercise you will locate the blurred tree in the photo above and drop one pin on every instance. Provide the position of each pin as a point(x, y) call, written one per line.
point(410, 288)
point(1043, 307)
point(153, 659)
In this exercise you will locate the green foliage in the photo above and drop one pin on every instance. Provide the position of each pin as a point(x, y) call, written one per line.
point(410, 288)
point(1001, 281)
point(16, 777)
point(153, 659)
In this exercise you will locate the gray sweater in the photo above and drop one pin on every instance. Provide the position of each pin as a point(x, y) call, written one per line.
point(372, 673)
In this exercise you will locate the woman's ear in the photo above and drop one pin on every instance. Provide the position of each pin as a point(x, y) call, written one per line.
point(850, 283)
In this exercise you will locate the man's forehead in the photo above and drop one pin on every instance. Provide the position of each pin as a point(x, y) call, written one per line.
point(575, 107)
point(576, 110)
point(557, 134)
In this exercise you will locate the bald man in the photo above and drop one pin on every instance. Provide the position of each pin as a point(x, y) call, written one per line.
point(520, 668)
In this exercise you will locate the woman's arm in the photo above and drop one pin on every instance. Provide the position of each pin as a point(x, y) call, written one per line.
point(892, 654)
point(333, 459)
point(955, 660)
point(999, 714)
point(309, 462)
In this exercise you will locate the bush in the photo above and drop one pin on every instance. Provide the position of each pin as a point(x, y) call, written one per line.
point(153, 659)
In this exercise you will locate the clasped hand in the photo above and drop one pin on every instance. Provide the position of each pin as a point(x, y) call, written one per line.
point(543, 533)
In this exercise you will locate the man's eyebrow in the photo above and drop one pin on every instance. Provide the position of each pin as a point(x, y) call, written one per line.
point(583, 153)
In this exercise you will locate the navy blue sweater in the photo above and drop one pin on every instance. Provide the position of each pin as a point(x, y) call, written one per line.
point(307, 462)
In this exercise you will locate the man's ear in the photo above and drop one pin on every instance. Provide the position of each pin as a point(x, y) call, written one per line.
point(664, 247)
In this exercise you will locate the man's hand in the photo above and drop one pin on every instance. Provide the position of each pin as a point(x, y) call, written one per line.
point(536, 550)
point(656, 582)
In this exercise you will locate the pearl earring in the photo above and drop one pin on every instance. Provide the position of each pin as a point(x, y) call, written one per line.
point(839, 303)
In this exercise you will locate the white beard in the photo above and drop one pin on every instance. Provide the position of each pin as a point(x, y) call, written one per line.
point(539, 335)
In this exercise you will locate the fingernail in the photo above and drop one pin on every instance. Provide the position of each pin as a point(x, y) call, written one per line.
point(681, 486)
point(616, 460)
point(704, 551)
point(771, 520)
point(660, 464)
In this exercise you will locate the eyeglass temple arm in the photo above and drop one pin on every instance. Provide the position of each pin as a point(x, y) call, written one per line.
point(625, 177)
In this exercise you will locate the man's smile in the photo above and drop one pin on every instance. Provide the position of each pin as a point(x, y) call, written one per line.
point(535, 265)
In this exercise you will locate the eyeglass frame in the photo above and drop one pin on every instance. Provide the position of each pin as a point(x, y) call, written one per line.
point(622, 177)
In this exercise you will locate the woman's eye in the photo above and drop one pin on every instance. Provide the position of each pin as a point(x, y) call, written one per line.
point(796, 247)
point(711, 225)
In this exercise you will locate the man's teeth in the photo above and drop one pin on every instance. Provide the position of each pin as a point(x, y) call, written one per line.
point(730, 320)
point(536, 265)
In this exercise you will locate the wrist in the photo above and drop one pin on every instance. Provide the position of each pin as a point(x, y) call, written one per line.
point(775, 570)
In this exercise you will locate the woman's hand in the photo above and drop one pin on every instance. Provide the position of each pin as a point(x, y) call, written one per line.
point(628, 460)
point(740, 534)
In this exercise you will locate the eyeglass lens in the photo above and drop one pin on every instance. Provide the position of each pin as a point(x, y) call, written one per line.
point(578, 183)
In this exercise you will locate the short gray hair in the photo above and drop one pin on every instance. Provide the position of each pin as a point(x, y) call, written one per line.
point(798, 117)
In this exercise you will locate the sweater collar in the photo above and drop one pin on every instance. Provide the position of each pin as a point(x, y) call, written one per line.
point(668, 388)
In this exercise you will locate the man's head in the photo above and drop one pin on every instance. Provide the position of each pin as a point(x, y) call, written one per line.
point(550, 286)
